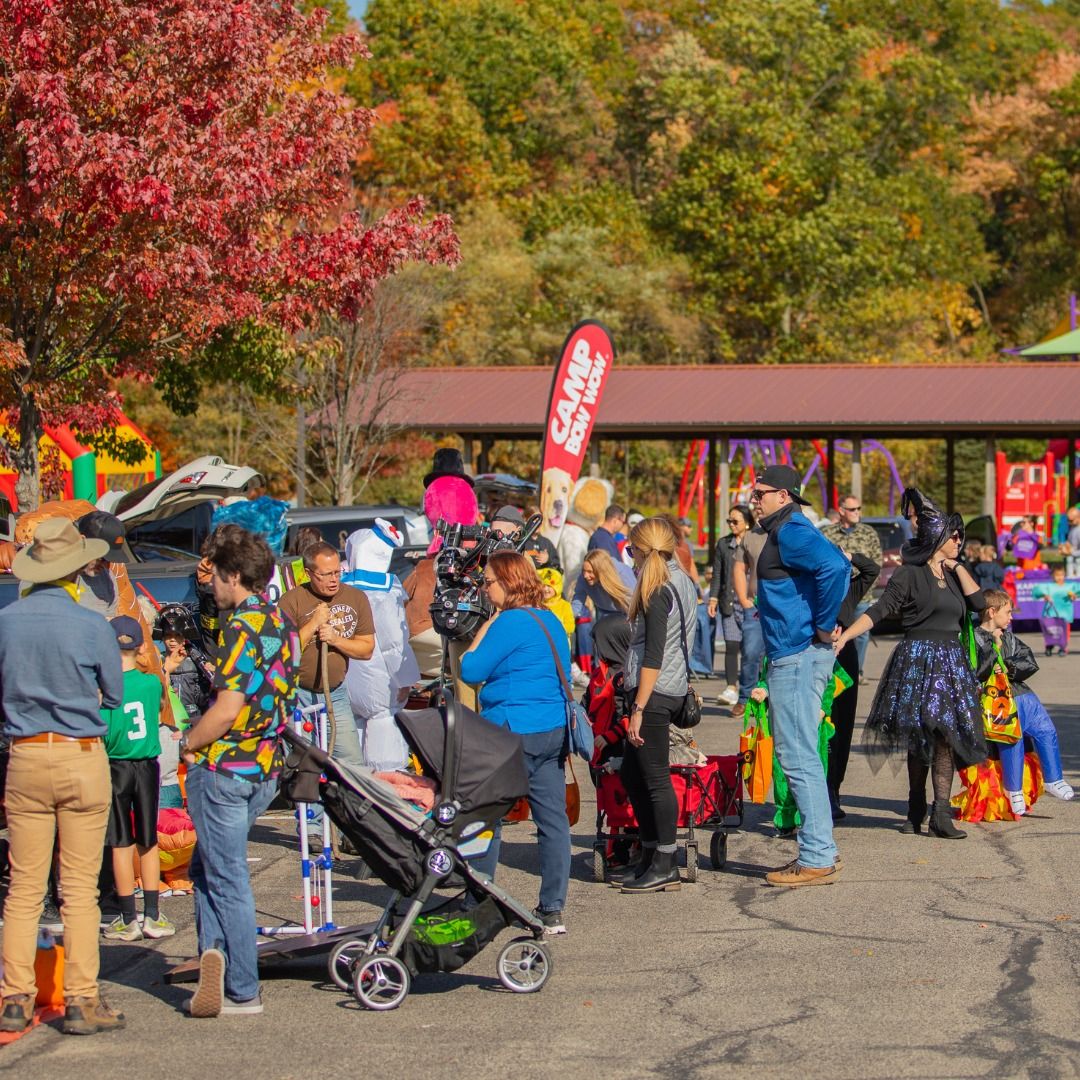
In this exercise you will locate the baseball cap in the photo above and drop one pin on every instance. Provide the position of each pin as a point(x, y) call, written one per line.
point(128, 632)
point(786, 479)
point(633, 518)
point(511, 514)
point(98, 525)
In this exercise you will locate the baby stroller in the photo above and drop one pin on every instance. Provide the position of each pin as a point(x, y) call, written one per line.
point(481, 774)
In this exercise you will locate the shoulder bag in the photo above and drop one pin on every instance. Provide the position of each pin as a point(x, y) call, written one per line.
point(690, 715)
point(578, 730)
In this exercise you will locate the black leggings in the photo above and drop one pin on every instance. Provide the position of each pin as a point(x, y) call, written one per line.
point(646, 772)
point(940, 769)
point(843, 718)
point(731, 663)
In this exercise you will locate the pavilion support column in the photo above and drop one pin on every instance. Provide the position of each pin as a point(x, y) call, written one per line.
point(710, 492)
point(725, 477)
point(482, 464)
point(1074, 493)
point(594, 458)
point(856, 467)
point(990, 479)
point(830, 474)
point(950, 473)
point(467, 453)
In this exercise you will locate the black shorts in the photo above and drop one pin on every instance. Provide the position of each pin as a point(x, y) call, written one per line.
point(134, 794)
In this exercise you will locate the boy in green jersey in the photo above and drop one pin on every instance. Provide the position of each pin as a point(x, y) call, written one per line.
point(133, 745)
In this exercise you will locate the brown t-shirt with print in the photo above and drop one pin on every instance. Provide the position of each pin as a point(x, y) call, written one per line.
point(350, 614)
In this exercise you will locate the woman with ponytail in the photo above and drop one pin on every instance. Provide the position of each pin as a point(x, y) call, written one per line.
point(662, 626)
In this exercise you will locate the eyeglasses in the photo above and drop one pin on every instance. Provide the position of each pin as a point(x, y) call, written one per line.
point(326, 573)
point(734, 521)
point(759, 493)
point(852, 509)
point(489, 581)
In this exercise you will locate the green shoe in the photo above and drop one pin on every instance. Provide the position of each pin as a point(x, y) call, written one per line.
point(158, 928)
point(118, 930)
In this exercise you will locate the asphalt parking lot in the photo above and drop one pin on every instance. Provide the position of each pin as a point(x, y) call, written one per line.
point(927, 958)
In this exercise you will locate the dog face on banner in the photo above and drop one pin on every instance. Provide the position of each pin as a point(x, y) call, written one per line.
point(554, 501)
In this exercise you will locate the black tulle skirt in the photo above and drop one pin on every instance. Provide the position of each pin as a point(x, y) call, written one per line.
point(927, 688)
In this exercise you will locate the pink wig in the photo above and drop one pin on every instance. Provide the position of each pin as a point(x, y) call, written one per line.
point(452, 499)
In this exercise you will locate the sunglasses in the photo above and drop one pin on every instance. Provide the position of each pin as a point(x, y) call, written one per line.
point(734, 521)
point(759, 493)
point(852, 509)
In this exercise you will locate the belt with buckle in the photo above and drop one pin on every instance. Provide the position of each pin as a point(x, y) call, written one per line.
point(54, 737)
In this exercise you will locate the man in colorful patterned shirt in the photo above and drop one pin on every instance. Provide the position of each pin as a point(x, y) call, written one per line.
point(234, 757)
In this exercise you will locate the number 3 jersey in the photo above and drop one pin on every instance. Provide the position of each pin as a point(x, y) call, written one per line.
point(133, 727)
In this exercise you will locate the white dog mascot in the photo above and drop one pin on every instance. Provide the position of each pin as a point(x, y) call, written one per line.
point(379, 686)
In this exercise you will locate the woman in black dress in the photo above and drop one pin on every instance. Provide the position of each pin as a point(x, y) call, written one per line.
point(927, 704)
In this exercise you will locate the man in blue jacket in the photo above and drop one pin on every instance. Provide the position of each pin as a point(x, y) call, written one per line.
point(802, 581)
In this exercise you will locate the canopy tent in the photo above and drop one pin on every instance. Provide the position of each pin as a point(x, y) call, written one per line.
point(1067, 344)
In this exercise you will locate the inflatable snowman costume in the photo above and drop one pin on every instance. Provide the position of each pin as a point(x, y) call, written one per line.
point(375, 685)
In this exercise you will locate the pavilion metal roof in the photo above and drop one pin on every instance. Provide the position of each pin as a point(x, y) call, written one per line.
point(966, 400)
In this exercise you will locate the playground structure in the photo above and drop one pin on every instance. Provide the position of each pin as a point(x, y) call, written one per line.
point(1037, 489)
point(87, 474)
point(752, 453)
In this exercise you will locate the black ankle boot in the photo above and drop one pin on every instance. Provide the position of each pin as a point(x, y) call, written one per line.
point(941, 822)
point(632, 873)
point(662, 875)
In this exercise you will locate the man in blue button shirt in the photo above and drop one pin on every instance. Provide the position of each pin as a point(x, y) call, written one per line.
point(59, 664)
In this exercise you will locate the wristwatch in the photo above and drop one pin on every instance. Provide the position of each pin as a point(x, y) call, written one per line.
point(184, 744)
point(637, 708)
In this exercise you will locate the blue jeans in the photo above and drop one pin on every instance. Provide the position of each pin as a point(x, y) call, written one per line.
point(1037, 726)
point(346, 737)
point(862, 642)
point(752, 649)
point(701, 659)
point(224, 808)
point(796, 684)
point(545, 761)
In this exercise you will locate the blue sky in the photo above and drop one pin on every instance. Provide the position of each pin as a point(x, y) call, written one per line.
point(357, 7)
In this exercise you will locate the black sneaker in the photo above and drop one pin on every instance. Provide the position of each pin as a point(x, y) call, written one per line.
point(552, 920)
point(50, 917)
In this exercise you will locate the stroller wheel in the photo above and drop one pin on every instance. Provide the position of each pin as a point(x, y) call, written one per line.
point(599, 863)
point(380, 982)
point(340, 962)
point(524, 966)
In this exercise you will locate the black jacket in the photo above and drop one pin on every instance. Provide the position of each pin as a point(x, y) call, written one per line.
point(865, 572)
point(722, 588)
point(1020, 662)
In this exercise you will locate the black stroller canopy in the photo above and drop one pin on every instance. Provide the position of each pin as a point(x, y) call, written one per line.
point(489, 764)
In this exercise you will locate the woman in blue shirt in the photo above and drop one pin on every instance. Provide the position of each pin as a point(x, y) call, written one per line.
point(513, 657)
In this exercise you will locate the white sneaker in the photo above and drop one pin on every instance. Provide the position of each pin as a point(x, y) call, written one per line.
point(578, 677)
point(1016, 801)
point(1060, 790)
point(729, 697)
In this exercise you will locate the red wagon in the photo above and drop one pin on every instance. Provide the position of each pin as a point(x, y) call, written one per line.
point(709, 795)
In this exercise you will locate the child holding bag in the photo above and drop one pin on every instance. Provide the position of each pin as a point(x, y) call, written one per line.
point(1035, 723)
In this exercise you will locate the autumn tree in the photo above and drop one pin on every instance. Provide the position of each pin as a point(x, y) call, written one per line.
point(168, 171)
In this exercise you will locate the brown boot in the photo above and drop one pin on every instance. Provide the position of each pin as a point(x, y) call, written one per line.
point(17, 1013)
point(88, 1016)
point(796, 875)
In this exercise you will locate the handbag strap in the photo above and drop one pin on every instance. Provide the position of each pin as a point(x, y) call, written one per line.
point(1001, 663)
point(682, 630)
point(555, 653)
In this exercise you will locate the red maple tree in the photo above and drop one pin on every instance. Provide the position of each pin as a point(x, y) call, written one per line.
point(168, 169)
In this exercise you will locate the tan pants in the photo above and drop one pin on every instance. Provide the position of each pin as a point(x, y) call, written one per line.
point(60, 787)
point(427, 647)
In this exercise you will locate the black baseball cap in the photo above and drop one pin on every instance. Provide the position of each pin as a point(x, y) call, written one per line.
point(128, 632)
point(785, 478)
point(98, 525)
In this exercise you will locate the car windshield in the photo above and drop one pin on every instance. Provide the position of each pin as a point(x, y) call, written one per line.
point(890, 533)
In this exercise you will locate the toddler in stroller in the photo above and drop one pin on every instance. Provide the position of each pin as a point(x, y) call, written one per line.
point(481, 773)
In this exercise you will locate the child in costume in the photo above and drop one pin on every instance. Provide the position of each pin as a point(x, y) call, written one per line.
point(787, 817)
point(552, 581)
point(379, 686)
point(608, 714)
point(993, 636)
point(134, 745)
point(1057, 597)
